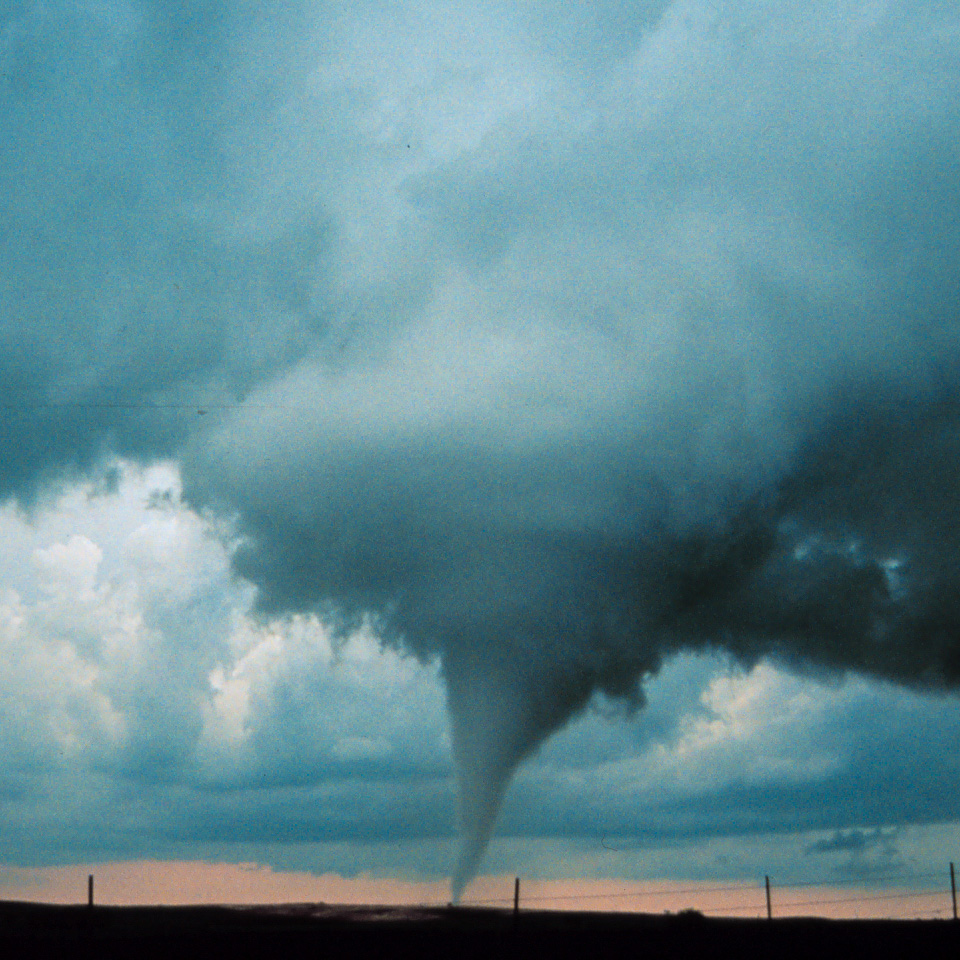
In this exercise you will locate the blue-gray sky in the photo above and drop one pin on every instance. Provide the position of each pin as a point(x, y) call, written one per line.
point(399, 397)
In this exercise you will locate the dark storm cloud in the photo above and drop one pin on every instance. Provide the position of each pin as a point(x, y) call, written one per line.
point(694, 384)
point(133, 284)
point(559, 348)
point(852, 841)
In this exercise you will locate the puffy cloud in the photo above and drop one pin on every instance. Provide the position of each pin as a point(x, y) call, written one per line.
point(746, 752)
point(135, 678)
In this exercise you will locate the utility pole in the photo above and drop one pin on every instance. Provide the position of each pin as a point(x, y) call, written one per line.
point(769, 908)
point(516, 896)
point(953, 889)
point(90, 891)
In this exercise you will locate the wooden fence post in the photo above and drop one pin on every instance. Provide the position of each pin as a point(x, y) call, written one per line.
point(953, 889)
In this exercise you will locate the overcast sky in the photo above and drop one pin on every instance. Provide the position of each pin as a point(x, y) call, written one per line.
point(424, 421)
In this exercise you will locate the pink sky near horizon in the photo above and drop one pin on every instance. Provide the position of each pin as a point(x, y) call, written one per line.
point(150, 882)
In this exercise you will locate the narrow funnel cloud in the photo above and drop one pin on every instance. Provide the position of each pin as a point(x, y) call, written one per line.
point(556, 338)
point(496, 722)
point(486, 753)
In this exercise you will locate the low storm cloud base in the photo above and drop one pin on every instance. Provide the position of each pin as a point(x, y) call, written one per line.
point(551, 342)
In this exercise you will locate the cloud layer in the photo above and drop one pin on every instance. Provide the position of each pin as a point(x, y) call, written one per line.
point(132, 730)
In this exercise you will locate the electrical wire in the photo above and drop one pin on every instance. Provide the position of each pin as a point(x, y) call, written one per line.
point(835, 882)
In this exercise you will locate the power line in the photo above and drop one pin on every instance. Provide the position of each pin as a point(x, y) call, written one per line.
point(643, 893)
point(860, 899)
point(886, 878)
point(622, 893)
point(140, 405)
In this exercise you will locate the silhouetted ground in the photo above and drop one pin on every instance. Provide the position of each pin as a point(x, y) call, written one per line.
point(321, 932)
